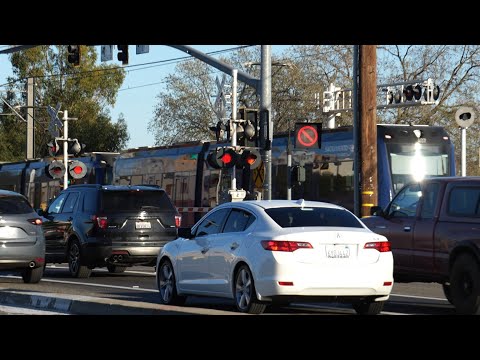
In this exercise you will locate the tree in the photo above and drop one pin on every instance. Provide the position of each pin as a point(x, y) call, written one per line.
point(85, 91)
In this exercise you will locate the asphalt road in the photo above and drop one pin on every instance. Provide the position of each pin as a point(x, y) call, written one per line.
point(137, 286)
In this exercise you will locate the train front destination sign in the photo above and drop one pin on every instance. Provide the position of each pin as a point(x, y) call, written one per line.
point(308, 135)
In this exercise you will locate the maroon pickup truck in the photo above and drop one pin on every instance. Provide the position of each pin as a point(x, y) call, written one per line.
point(434, 230)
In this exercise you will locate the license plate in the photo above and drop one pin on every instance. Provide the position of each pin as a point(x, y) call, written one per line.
point(143, 225)
point(338, 251)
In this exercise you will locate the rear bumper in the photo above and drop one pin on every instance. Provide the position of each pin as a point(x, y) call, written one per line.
point(134, 255)
point(305, 280)
point(20, 257)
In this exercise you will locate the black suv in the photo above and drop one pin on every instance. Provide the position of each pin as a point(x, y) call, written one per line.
point(115, 226)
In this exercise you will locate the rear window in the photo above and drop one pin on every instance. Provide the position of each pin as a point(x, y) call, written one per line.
point(114, 201)
point(14, 205)
point(305, 217)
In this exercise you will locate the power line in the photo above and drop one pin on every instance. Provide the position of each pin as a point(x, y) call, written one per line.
point(157, 63)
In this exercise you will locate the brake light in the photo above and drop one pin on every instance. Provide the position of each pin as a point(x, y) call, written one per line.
point(36, 221)
point(178, 220)
point(382, 246)
point(288, 246)
point(102, 221)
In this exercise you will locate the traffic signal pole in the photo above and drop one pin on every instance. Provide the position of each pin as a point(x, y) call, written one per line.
point(65, 148)
point(234, 123)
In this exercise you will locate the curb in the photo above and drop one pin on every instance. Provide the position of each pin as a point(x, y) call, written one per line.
point(88, 305)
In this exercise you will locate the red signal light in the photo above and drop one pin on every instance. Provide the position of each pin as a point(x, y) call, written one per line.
point(227, 158)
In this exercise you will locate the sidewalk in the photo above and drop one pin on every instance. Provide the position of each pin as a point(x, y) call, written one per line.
point(88, 305)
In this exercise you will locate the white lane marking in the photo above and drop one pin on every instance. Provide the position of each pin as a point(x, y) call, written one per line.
point(26, 311)
point(420, 297)
point(86, 284)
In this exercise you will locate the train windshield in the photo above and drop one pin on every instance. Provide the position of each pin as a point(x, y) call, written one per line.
point(414, 161)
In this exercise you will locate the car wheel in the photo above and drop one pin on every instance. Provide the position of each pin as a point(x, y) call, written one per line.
point(32, 276)
point(75, 261)
point(167, 285)
point(367, 307)
point(447, 291)
point(465, 285)
point(245, 294)
point(116, 269)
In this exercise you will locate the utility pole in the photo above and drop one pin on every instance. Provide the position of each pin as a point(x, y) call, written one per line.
point(266, 107)
point(356, 135)
point(368, 126)
point(30, 155)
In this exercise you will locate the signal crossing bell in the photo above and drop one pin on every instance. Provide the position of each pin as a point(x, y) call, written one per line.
point(77, 169)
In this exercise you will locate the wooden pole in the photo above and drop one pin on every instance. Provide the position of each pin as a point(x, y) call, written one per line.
point(368, 126)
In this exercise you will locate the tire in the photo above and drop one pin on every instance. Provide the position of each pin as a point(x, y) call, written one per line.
point(167, 286)
point(447, 291)
point(244, 292)
point(75, 266)
point(368, 307)
point(32, 276)
point(116, 269)
point(465, 285)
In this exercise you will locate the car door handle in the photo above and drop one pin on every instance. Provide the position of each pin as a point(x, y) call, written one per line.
point(380, 227)
point(234, 246)
point(204, 250)
point(407, 228)
point(70, 219)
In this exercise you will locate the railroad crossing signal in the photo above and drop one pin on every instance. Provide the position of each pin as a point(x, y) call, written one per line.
point(55, 170)
point(308, 135)
point(77, 169)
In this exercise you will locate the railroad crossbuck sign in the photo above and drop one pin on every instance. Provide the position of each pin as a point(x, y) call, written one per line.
point(308, 135)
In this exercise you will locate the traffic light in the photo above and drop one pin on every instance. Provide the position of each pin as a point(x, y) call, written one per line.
point(409, 94)
point(248, 134)
point(249, 159)
point(53, 148)
point(298, 174)
point(74, 55)
point(74, 147)
point(55, 170)
point(123, 54)
point(77, 169)
point(308, 135)
point(222, 158)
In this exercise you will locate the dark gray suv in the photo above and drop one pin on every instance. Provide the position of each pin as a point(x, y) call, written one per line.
point(115, 226)
point(22, 243)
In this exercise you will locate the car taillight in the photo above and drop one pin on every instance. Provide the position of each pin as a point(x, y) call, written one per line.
point(36, 221)
point(178, 220)
point(382, 246)
point(289, 246)
point(102, 221)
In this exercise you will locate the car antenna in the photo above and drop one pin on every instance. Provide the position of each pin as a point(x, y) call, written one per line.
point(301, 202)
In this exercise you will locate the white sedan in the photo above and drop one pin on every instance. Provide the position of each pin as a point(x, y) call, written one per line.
point(263, 252)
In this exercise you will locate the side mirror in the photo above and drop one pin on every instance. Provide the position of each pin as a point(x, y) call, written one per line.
point(41, 212)
point(185, 232)
point(376, 211)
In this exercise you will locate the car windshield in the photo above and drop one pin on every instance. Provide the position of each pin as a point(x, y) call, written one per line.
point(136, 201)
point(14, 205)
point(313, 216)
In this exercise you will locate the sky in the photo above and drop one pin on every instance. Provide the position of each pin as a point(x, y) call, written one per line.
point(136, 98)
